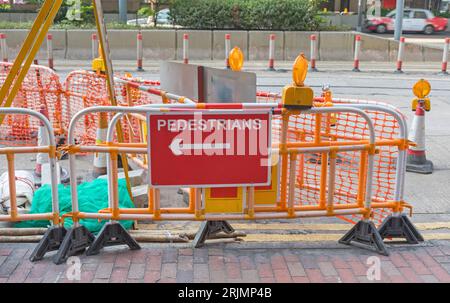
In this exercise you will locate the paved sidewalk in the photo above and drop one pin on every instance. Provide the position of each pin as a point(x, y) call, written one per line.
point(231, 263)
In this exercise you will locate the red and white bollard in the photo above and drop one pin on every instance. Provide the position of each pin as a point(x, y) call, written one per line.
point(139, 52)
point(357, 52)
point(3, 47)
point(50, 50)
point(416, 160)
point(271, 51)
point(227, 50)
point(185, 48)
point(445, 56)
point(94, 46)
point(313, 53)
point(401, 50)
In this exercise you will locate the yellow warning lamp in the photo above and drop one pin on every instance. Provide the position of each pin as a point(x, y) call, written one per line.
point(300, 70)
point(98, 64)
point(421, 90)
point(325, 9)
point(297, 95)
point(236, 59)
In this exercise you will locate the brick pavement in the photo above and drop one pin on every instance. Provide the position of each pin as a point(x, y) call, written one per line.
point(222, 263)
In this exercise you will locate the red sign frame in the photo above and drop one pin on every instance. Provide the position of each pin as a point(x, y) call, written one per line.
point(182, 153)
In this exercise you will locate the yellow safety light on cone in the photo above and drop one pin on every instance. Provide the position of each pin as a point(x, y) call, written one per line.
point(297, 95)
point(236, 59)
point(416, 160)
point(421, 90)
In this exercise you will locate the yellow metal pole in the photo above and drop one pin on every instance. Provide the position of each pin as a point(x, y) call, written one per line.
point(24, 49)
point(28, 51)
point(104, 47)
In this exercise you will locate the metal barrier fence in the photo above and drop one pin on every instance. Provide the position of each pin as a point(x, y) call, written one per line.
point(391, 141)
point(316, 177)
point(56, 231)
point(346, 160)
point(84, 89)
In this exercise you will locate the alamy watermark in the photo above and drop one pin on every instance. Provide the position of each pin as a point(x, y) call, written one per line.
point(373, 9)
point(209, 136)
point(74, 10)
point(73, 272)
point(373, 273)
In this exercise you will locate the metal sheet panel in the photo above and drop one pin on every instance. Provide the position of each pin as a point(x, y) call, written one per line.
point(180, 79)
point(217, 85)
point(226, 86)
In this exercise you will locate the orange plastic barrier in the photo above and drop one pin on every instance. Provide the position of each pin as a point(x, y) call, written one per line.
point(84, 89)
point(40, 86)
point(345, 127)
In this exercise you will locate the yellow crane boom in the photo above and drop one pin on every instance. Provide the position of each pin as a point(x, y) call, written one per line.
point(31, 46)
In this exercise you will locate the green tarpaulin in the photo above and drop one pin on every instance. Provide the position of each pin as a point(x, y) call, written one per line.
point(92, 197)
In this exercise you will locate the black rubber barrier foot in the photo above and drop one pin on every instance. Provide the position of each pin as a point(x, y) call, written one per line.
point(426, 167)
point(400, 226)
point(111, 234)
point(313, 69)
point(209, 228)
point(398, 71)
point(357, 70)
point(51, 241)
point(365, 235)
point(77, 239)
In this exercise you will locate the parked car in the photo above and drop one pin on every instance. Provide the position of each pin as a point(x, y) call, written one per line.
point(140, 21)
point(414, 20)
point(162, 19)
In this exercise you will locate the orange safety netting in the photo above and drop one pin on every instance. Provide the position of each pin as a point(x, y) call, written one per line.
point(342, 127)
point(85, 89)
point(41, 86)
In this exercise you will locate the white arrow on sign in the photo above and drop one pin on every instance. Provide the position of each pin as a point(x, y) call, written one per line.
point(177, 148)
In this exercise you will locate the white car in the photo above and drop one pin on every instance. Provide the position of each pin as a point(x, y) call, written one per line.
point(162, 19)
point(414, 20)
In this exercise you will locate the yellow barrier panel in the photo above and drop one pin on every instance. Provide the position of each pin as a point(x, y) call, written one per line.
point(268, 195)
point(224, 200)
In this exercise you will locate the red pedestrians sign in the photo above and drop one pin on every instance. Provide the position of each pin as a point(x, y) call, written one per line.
point(199, 149)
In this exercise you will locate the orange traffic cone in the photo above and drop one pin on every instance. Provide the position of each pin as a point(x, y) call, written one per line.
point(416, 160)
point(100, 158)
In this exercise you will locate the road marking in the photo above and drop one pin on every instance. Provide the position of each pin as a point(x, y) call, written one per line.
point(291, 238)
point(290, 226)
point(322, 237)
point(432, 225)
